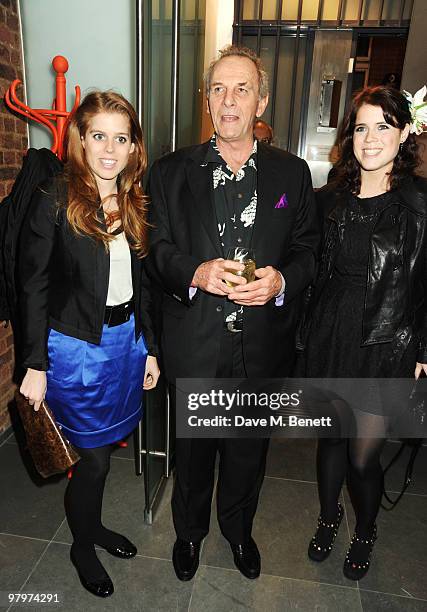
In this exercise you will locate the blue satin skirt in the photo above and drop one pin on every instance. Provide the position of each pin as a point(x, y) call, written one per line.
point(95, 391)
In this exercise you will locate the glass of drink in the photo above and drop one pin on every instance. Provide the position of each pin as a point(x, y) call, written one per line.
point(247, 258)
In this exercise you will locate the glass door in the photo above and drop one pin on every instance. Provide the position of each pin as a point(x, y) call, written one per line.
point(171, 48)
point(170, 40)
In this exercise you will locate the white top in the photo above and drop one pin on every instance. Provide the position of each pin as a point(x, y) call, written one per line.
point(120, 288)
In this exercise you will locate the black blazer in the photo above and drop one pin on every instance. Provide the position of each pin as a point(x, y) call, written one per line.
point(185, 234)
point(63, 280)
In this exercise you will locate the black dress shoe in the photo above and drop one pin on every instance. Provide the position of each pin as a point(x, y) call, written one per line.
point(126, 550)
point(185, 559)
point(247, 558)
point(101, 588)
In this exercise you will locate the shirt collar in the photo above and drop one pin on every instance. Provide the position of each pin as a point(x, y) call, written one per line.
point(214, 156)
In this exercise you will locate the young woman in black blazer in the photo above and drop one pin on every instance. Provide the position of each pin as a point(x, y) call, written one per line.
point(370, 307)
point(88, 342)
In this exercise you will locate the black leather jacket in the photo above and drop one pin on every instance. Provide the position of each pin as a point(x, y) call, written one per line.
point(396, 297)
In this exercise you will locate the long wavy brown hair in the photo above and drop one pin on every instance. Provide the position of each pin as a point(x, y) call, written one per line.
point(396, 112)
point(84, 202)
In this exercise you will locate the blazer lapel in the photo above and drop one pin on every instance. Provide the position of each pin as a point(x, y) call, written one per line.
point(199, 180)
point(270, 187)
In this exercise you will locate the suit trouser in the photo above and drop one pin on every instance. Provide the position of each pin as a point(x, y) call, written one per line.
point(241, 470)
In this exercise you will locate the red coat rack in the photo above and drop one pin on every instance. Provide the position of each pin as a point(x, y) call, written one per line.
point(56, 118)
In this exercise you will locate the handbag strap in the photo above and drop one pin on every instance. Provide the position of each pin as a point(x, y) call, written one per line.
point(408, 473)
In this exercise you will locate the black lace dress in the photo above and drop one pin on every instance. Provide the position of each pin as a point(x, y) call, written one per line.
point(334, 344)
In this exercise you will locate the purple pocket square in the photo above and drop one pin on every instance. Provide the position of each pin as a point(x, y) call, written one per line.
point(283, 202)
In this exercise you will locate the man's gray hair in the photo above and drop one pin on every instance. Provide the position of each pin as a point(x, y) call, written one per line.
point(234, 51)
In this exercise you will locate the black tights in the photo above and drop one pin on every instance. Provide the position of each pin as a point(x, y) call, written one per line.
point(83, 508)
point(83, 497)
point(359, 459)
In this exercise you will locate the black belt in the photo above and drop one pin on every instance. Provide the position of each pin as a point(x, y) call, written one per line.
point(116, 315)
point(233, 326)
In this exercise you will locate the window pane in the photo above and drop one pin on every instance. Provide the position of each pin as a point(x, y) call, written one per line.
point(310, 9)
point(269, 9)
point(298, 95)
point(351, 10)
point(268, 47)
point(157, 71)
point(391, 10)
point(250, 9)
point(330, 10)
point(408, 9)
point(191, 52)
point(371, 10)
point(249, 42)
point(161, 9)
point(290, 10)
point(283, 91)
point(188, 10)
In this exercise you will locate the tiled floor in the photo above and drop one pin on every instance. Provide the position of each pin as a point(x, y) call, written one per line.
point(35, 542)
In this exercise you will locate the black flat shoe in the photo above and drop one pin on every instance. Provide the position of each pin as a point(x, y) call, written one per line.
point(185, 558)
point(126, 550)
point(358, 558)
point(321, 543)
point(247, 559)
point(101, 588)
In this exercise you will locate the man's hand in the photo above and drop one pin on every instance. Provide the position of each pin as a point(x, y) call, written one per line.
point(33, 387)
point(258, 292)
point(152, 373)
point(210, 276)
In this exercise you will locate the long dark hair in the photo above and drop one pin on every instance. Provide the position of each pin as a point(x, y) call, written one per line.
point(396, 112)
point(83, 196)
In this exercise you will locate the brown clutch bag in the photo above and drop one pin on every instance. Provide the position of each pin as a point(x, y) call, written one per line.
point(49, 449)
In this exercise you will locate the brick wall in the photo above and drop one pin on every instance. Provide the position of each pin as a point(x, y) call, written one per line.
point(13, 144)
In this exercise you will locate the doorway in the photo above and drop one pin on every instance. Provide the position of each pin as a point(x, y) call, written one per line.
point(378, 58)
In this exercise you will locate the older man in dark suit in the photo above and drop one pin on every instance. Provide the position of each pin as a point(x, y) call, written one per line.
point(230, 191)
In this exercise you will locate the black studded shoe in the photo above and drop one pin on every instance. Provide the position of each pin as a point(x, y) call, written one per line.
point(321, 543)
point(358, 558)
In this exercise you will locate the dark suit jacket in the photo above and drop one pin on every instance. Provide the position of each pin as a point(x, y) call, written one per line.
point(63, 279)
point(185, 234)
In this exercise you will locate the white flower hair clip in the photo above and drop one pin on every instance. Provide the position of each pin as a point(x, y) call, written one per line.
point(418, 109)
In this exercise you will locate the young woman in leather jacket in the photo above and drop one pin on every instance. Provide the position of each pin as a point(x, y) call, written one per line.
point(368, 317)
point(85, 310)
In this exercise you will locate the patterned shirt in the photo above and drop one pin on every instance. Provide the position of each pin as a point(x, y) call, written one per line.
point(235, 200)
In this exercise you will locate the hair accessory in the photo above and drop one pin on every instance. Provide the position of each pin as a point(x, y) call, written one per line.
point(418, 109)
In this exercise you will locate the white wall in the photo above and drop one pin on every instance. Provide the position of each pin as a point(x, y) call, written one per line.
point(414, 73)
point(219, 27)
point(96, 36)
point(218, 33)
